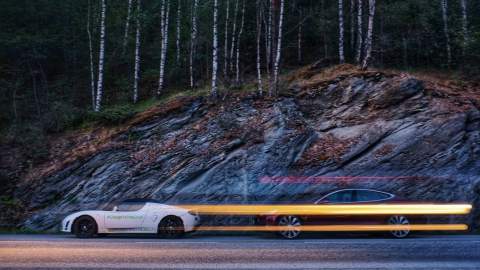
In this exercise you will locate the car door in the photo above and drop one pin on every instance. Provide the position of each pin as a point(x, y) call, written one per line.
point(370, 197)
point(126, 216)
point(339, 197)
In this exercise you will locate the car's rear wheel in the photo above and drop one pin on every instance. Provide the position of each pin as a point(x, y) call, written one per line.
point(292, 223)
point(85, 227)
point(399, 220)
point(171, 227)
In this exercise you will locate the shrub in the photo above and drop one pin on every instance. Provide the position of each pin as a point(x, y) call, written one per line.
point(113, 115)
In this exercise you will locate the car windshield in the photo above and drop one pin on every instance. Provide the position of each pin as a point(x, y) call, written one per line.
point(344, 196)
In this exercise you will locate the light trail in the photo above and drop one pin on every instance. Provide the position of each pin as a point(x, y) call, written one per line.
point(351, 209)
point(340, 228)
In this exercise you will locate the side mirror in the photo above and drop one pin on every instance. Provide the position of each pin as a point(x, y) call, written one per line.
point(115, 208)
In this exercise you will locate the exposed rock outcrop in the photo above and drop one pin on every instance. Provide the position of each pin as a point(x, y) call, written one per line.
point(410, 137)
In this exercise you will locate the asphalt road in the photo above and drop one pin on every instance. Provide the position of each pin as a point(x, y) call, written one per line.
point(240, 252)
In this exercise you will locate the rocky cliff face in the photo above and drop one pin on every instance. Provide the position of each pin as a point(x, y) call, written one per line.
point(370, 129)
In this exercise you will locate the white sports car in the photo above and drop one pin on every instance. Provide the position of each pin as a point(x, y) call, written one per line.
point(132, 216)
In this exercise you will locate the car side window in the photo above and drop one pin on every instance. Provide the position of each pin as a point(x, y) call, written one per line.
point(370, 195)
point(130, 206)
point(345, 196)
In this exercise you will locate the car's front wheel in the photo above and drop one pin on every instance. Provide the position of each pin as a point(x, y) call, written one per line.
point(171, 227)
point(399, 220)
point(85, 227)
point(292, 223)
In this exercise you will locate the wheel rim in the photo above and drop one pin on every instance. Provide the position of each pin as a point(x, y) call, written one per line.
point(171, 227)
point(293, 223)
point(86, 227)
point(399, 220)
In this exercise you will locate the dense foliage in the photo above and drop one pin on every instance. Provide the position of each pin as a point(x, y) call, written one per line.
point(44, 51)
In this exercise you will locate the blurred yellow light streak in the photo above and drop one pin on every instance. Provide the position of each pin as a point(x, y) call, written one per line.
point(341, 228)
point(350, 209)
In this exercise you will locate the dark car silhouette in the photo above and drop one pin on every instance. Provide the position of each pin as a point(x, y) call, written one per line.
point(345, 196)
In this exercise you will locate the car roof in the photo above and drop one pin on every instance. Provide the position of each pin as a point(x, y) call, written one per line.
point(135, 200)
point(363, 189)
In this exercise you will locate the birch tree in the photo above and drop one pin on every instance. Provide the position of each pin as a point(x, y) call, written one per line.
point(237, 58)
point(466, 35)
point(193, 40)
point(137, 52)
point(268, 44)
point(358, 54)
point(368, 41)
point(225, 46)
point(279, 48)
point(101, 58)
point(177, 39)
point(165, 12)
point(90, 49)
point(215, 50)
point(340, 36)
point(272, 47)
point(234, 31)
point(444, 5)
point(127, 26)
point(259, 36)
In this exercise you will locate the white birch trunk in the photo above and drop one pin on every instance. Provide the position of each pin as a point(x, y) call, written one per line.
point(215, 50)
point(268, 46)
point(446, 32)
point(466, 35)
point(163, 55)
point(279, 48)
point(101, 58)
point(193, 39)
point(92, 73)
point(127, 26)
point(259, 35)
point(341, 32)
point(358, 55)
point(137, 53)
point(368, 41)
point(179, 14)
point(234, 32)
point(237, 58)
point(225, 49)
